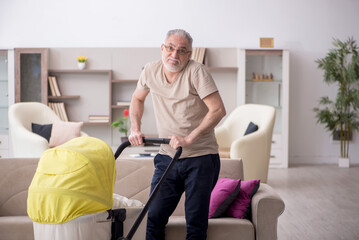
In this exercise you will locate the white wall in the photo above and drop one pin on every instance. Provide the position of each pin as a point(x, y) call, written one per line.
point(304, 27)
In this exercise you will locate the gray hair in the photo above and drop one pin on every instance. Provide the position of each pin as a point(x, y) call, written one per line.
point(182, 33)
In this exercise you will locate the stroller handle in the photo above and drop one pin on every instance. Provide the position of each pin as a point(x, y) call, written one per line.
point(156, 189)
point(145, 140)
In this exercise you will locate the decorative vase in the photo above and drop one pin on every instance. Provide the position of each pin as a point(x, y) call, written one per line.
point(344, 162)
point(81, 65)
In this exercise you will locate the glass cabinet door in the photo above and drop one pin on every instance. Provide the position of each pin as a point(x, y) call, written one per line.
point(264, 80)
point(31, 75)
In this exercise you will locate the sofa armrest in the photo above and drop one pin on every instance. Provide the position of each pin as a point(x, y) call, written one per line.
point(267, 206)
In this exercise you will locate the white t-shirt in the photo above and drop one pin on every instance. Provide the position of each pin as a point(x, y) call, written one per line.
point(178, 106)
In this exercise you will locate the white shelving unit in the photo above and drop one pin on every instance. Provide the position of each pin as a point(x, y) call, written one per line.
point(268, 91)
point(4, 104)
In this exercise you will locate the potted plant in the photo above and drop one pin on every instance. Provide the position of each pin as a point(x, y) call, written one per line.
point(81, 62)
point(122, 124)
point(341, 67)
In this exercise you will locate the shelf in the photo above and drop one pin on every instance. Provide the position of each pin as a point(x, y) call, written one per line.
point(120, 106)
point(222, 68)
point(78, 71)
point(264, 52)
point(71, 83)
point(96, 123)
point(125, 81)
point(275, 81)
point(63, 97)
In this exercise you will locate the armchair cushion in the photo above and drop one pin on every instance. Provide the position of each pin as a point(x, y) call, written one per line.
point(223, 194)
point(251, 128)
point(64, 131)
point(42, 130)
point(241, 206)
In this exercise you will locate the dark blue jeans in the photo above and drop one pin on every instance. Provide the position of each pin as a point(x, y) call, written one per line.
point(196, 176)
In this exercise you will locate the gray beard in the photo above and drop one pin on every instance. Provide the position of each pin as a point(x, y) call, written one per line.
point(172, 69)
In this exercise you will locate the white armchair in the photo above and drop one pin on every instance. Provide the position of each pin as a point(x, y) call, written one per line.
point(25, 143)
point(254, 149)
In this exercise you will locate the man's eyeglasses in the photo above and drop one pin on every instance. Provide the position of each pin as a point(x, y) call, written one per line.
point(180, 51)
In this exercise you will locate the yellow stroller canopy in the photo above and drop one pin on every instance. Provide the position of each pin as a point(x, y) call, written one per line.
point(72, 180)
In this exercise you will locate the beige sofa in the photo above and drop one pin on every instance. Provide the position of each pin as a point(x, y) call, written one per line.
point(133, 181)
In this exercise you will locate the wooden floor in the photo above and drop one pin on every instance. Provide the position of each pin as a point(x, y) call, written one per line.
point(321, 202)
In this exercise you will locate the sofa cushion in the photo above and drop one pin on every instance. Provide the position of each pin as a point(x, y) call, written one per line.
point(218, 228)
point(17, 175)
point(241, 206)
point(64, 131)
point(223, 194)
point(251, 128)
point(42, 130)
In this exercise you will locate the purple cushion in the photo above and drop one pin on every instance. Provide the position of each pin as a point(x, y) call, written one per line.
point(241, 206)
point(223, 194)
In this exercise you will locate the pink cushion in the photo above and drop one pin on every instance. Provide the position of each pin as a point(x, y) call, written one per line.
point(223, 194)
point(241, 206)
point(64, 131)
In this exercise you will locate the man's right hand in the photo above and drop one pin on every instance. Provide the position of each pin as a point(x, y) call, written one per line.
point(136, 138)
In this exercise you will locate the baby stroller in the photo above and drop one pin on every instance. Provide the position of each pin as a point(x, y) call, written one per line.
point(71, 194)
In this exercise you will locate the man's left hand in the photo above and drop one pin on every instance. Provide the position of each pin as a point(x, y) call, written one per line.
point(177, 141)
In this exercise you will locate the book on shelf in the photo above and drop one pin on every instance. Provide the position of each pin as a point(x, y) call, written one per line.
point(54, 87)
point(63, 111)
point(99, 118)
point(50, 104)
point(201, 55)
point(123, 103)
point(59, 109)
point(198, 54)
point(194, 52)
